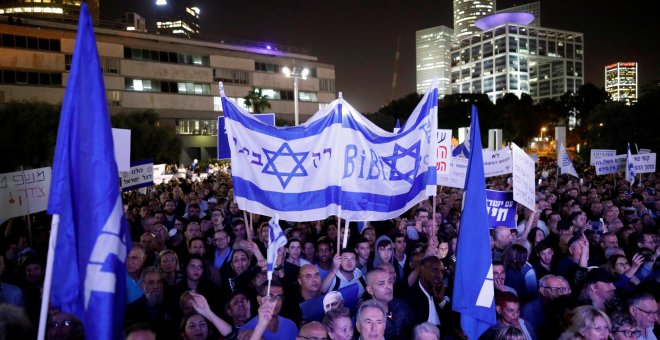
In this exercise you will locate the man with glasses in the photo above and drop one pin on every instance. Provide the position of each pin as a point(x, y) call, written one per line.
point(277, 327)
point(222, 253)
point(537, 311)
point(624, 327)
point(644, 309)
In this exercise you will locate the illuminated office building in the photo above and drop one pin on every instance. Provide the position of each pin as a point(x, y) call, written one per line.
point(621, 82)
point(467, 12)
point(508, 56)
point(533, 8)
point(48, 9)
point(175, 77)
point(432, 58)
point(177, 17)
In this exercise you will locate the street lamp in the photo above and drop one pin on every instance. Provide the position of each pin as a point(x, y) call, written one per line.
point(296, 73)
point(542, 131)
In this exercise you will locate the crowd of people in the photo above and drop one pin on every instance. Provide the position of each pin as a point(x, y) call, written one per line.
point(583, 265)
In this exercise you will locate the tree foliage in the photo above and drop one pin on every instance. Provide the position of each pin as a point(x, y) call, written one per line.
point(257, 100)
point(148, 139)
point(27, 135)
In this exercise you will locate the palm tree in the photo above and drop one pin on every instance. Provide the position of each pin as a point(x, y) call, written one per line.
point(257, 100)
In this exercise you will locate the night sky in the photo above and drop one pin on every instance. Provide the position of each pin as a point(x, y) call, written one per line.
point(359, 36)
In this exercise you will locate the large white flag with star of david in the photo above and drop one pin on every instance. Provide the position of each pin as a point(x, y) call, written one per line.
point(338, 158)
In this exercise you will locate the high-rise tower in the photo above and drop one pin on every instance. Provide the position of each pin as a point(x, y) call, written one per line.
point(177, 17)
point(466, 12)
point(432, 46)
point(51, 9)
point(621, 82)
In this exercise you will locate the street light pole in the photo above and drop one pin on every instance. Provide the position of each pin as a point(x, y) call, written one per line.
point(296, 73)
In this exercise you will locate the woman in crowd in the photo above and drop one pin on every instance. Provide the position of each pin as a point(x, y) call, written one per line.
point(519, 273)
point(169, 265)
point(535, 236)
point(338, 323)
point(588, 323)
point(624, 327)
point(624, 272)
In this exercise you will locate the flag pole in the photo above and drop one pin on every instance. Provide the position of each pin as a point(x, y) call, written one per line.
point(338, 229)
point(247, 226)
point(48, 279)
point(433, 217)
point(345, 239)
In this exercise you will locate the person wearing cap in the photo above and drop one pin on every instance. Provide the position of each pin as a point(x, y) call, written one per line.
point(598, 288)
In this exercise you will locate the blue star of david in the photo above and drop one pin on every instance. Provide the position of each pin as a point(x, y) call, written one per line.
point(398, 154)
point(285, 151)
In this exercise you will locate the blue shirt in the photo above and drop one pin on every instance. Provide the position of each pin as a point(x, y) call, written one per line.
point(133, 290)
point(11, 294)
point(286, 329)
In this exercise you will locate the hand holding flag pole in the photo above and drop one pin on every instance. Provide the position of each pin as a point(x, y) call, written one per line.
point(276, 239)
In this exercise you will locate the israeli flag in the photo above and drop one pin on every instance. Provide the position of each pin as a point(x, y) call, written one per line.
point(565, 163)
point(337, 159)
point(630, 168)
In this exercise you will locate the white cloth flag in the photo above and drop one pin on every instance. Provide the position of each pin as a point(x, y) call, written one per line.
point(565, 163)
point(337, 159)
point(630, 168)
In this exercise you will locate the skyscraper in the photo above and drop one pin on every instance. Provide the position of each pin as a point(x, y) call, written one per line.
point(177, 17)
point(621, 82)
point(432, 47)
point(533, 8)
point(466, 12)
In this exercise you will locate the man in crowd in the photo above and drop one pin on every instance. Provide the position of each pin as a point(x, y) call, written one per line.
point(381, 287)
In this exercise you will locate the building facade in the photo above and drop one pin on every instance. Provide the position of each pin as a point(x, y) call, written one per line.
point(177, 78)
point(50, 9)
point(432, 47)
point(512, 58)
point(533, 8)
point(466, 12)
point(621, 82)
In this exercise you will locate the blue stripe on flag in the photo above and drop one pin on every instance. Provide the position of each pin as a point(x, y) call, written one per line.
point(322, 198)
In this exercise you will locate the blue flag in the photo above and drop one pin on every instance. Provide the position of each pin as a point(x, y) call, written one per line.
point(92, 240)
point(630, 168)
point(473, 285)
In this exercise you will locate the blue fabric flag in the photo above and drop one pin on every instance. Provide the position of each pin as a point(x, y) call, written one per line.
point(473, 288)
point(276, 239)
point(630, 168)
point(338, 159)
point(92, 240)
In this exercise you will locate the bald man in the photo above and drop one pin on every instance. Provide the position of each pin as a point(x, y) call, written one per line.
point(312, 330)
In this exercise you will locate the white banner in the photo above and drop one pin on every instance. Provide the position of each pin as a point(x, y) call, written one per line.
point(524, 191)
point(497, 163)
point(597, 154)
point(140, 175)
point(644, 163)
point(121, 139)
point(610, 165)
point(457, 173)
point(159, 174)
point(24, 192)
point(443, 151)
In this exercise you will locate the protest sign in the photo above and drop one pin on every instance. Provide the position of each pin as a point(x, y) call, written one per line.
point(597, 154)
point(457, 173)
point(140, 175)
point(610, 165)
point(443, 151)
point(121, 140)
point(497, 163)
point(24, 192)
point(501, 208)
point(312, 310)
point(643, 163)
point(523, 178)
